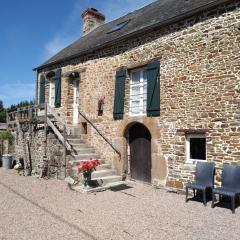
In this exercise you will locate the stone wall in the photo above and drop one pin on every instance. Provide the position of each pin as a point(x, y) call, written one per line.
point(36, 138)
point(200, 89)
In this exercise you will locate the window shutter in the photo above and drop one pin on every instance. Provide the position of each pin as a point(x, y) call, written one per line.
point(58, 88)
point(119, 94)
point(153, 89)
point(42, 89)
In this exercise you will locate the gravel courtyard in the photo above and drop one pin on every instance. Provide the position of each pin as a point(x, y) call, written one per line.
point(47, 209)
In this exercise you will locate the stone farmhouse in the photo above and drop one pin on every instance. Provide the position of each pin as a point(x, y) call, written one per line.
point(161, 83)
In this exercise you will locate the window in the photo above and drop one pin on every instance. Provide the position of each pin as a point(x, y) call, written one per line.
point(196, 148)
point(119, 26)
point(138, 92)
point(52, 93)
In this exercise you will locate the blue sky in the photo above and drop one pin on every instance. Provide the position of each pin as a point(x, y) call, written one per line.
point(32, 31)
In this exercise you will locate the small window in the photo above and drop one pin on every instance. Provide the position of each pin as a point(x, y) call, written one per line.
point(119, 26)
point(196, 148)
point(84, 128)
point(52, 93)
point(138, 92)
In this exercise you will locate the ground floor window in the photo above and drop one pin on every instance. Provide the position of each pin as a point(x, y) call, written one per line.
point(196, 149)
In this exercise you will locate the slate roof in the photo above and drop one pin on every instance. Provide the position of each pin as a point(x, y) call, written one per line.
point(154, 15)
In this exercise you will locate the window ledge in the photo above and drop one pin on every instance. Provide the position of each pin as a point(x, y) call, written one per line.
point(194, 161)
point(137, 115)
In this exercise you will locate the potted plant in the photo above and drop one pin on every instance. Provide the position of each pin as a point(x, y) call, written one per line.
point(86, 167)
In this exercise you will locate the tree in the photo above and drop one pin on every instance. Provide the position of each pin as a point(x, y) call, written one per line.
point(1, 105)
point(21, 104)
point(2, 112)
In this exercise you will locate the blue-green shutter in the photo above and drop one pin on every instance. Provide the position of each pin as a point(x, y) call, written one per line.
point(119, 94)
point(42, 89)
point(153, 89)
point(58, 80)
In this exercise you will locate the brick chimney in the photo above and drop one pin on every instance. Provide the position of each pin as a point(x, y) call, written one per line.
point(91, 20)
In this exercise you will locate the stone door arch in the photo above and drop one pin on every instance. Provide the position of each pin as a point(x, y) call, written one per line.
point(139, 152)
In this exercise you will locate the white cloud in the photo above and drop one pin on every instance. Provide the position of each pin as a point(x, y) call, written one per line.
point(16, 92)
point(55, 45)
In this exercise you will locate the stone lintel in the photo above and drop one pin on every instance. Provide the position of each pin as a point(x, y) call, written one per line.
point(193, 131)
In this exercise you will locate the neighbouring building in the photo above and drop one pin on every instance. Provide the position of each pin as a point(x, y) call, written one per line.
point(162, 83)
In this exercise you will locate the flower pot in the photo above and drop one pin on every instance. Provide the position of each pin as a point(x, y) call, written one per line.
point(87, 177)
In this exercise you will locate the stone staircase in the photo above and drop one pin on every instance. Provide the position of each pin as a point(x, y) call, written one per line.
point(105, 174)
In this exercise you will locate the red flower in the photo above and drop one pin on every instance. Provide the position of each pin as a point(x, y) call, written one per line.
point(87, 165)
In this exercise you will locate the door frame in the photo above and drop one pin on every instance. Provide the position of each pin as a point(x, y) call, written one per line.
point(75, 102)
point(128, 152)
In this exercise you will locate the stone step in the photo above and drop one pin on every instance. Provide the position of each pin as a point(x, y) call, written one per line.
point(86, 156)
point(101, 167)
point(84, 150)
point(103, 173)
point(75, 141)
point(81, 145)
point(108, 179)
point(73, 137)
point(104, 166)
point(74, 162)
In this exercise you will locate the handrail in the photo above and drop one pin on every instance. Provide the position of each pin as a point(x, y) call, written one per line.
point(59, 135)
point(58, 118)
point(22, 113)
point(13, 118)
point(101, 134)
point(29, 112)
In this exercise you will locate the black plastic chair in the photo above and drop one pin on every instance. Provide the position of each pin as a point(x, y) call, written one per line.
point(204, 180)
point(230, 185)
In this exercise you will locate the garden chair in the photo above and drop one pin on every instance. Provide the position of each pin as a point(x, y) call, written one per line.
point(204, 180)
point(230, 185)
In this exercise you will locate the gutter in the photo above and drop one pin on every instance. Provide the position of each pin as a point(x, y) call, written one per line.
point(136, 33)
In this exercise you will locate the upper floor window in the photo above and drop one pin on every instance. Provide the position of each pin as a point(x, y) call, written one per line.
point(144, 93)
point(138, 92)
point(196, 149)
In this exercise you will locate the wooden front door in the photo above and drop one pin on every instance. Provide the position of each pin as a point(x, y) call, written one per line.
point(140, 153)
